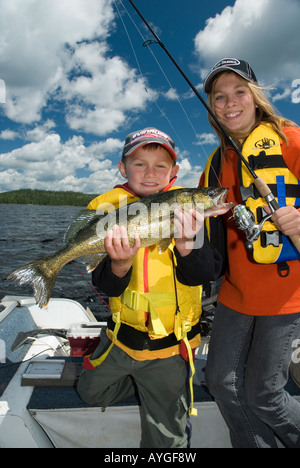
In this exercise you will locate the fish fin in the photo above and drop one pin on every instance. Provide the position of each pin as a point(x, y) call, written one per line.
point(93, 261)
point(40, 277)
point(163, 244)
point(84, 218)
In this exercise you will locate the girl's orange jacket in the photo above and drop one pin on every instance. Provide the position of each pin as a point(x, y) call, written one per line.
point(248, 287)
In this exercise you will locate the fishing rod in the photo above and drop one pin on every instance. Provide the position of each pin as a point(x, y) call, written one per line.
point(259, 183)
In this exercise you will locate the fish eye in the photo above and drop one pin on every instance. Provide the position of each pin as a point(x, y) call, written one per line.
point(211, 192)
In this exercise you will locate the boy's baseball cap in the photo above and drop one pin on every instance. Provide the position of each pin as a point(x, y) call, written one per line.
point(140, 138)
point(241, 67)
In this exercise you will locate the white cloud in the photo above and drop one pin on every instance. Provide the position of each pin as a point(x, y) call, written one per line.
point(263, 32)
point(103, 92)
point(58, 49)
point(188, 176)
point(207, 139)
point(51, 164)
point(32, 36)
point(279, 96)
point(184, 165)
point(104, 148)
point(8, 135)
point(56, 60)
point(40, 131)
point(172, 94)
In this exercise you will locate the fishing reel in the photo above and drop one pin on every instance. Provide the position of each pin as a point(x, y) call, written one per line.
point(245, 221)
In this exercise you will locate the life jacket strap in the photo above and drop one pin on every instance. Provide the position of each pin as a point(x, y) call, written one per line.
point(149, 302)
point(186, 326)
point(93, 363)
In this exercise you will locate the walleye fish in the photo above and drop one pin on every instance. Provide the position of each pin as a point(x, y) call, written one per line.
point(152, 218)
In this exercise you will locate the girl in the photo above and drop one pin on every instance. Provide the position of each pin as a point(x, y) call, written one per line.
point(258, 315)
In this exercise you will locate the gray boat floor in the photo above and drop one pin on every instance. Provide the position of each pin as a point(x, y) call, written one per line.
point(67, 397)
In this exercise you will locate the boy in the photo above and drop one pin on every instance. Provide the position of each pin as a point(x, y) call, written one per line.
point(141, 361)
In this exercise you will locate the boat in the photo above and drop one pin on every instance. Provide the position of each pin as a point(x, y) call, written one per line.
point(41, 357)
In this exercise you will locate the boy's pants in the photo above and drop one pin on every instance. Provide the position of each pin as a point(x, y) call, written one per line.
point(162, 387)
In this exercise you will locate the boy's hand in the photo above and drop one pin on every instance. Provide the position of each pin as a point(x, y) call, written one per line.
point(119, 250)
point(188, 224)
point(286, 219)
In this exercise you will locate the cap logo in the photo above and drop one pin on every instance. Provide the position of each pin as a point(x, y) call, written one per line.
point(227, 62)
point(149, 132)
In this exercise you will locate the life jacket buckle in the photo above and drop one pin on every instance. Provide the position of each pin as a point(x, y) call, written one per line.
point(259, 161)
point(283, 269)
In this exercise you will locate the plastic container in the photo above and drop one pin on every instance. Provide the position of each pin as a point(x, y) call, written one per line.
point(83, 338)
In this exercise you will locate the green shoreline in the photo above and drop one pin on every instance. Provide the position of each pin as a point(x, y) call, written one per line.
point(46, 197)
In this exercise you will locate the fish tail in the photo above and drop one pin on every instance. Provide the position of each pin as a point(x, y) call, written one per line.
point(41, 278)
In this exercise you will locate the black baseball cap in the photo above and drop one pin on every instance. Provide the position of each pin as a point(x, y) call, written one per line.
point(241, 67)
point(140, 138)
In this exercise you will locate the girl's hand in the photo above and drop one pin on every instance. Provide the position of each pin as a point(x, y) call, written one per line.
point(188, 224)
point(118, 248)
point(286, 219)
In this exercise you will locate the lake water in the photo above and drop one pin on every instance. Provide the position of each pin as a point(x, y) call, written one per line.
point(29, 232)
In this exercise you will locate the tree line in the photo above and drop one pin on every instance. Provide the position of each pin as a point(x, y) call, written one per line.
point(46, 197)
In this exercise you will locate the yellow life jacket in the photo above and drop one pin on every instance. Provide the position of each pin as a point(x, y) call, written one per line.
point(262, 150)
point(154, 301)
point(112, 200)
point(153, 288)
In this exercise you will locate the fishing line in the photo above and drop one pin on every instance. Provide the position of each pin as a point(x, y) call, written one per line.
point(139, 66)
point(147, 43)
point(140, 70)
point(259, 183)
point(90, 284)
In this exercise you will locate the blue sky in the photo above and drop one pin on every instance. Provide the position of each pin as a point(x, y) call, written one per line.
point(75, 79)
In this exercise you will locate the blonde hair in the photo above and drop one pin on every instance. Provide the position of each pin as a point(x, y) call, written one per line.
point(265, 113)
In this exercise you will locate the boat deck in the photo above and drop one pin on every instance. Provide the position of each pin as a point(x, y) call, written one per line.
point(61, 410)
point(55, 416)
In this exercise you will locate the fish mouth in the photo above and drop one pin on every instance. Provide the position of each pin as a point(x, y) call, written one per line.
point(221, 198)
point(220, 205)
